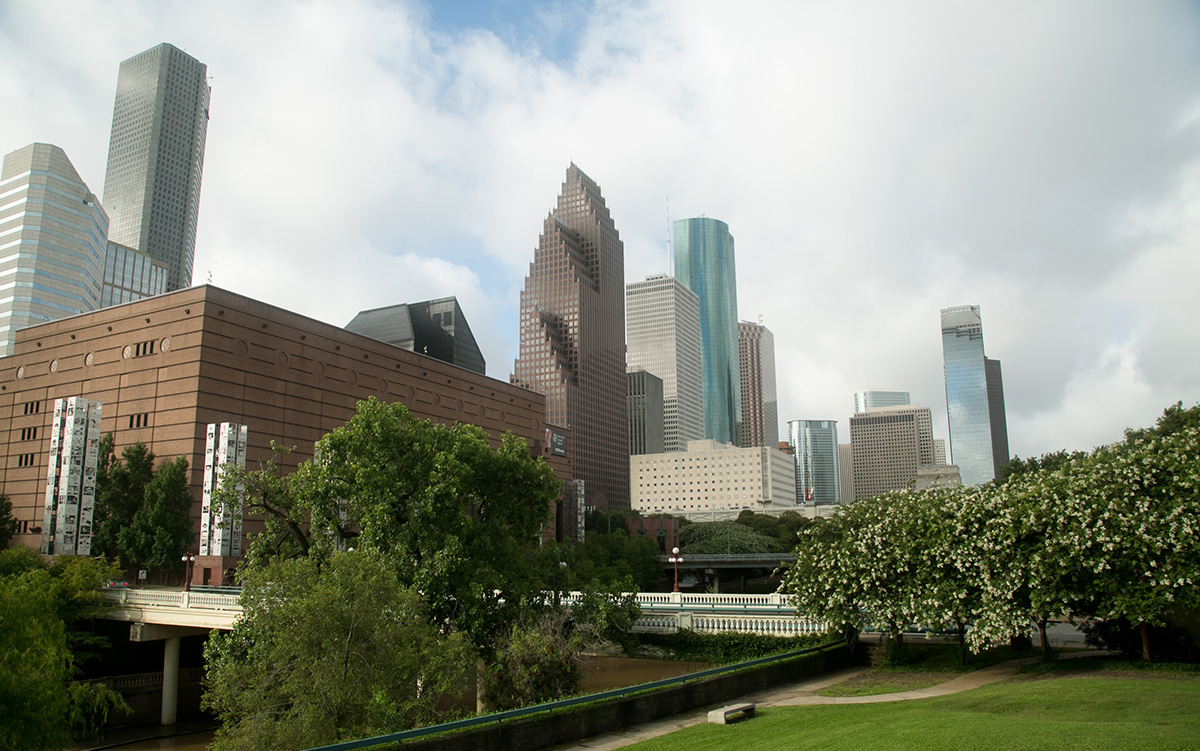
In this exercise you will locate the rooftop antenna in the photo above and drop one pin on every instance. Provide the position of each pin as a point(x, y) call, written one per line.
point(670, 257)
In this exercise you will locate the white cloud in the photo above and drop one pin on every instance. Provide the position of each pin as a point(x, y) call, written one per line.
point(875, 162)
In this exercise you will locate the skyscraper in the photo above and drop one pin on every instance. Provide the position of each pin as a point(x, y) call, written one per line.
point(704, 262)
point(663, 338)
point(978, 431)
point(572, 346)
point(52, 243)
point(817, 463)
point(864, 400)
point(760, 402)
point(888, 445)
point(155, 157)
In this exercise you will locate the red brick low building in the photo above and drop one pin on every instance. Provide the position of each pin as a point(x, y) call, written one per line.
point(167, 366)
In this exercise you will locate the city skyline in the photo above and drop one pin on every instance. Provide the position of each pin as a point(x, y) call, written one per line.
point(1050, 184)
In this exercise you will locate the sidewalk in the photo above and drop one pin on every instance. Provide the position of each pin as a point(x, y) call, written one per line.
point(797, 694)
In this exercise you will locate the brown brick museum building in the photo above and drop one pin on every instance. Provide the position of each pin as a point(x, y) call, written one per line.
point(165, 367)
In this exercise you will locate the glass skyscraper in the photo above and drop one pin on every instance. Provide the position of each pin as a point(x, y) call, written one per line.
point(155, 157)
point(52, 244)
point(815, 446)
point(572, 346)
point(704, 262)
point(974, 398)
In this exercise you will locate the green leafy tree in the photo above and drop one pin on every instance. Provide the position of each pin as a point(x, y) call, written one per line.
point(8, 525)
point(328, 650)
point(453, 517)
point(538, 661)
point(120, 491)
point(44, 639)
point(719, 538)
point(1174, 419)
point(160, 531)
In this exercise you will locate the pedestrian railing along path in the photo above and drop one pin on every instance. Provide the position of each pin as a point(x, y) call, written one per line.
point(662, 612)
point(549, 708)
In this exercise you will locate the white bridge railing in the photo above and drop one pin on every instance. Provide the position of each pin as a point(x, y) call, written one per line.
point(662, 612)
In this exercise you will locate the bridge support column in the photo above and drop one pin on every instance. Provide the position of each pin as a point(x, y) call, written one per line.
point(169, 636)
point(170, 685)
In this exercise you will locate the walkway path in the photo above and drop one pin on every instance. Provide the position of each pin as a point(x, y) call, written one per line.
point(797, 694)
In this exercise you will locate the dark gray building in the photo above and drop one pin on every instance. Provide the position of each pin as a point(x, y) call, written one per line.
point(436, 328)
point(645, 401)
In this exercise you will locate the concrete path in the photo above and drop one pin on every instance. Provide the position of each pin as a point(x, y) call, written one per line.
point(797, 694)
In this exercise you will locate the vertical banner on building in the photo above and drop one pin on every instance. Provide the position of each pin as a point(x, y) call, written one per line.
point(49, 508)
point(220, 523)
point(87, 492)
point(71, 477)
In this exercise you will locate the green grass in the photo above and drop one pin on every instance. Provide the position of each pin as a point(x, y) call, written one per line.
point(927, 665)
point(1078, 712)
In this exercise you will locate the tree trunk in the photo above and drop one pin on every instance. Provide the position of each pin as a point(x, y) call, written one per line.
point(1145, 629)
point(962, 643)
point(1045, 642)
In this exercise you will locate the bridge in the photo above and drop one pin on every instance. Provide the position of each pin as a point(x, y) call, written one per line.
point(156, 611)
point(748, 560)
point(167, 615)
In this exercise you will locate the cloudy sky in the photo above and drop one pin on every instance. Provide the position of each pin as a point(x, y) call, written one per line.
point(875, 161)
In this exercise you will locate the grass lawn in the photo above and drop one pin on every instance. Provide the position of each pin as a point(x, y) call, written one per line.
point(1154, 713)
point(927, 665)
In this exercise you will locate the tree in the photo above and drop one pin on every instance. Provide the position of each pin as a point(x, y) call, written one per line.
point(454, 518)
point(720, 538)
point(537, 662)
point(120, 492)
point(44, 611)
point(8, 525)
point(160, 531)
point(326, 650)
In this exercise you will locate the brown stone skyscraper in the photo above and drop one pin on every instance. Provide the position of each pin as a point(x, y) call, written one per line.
point(572, 345)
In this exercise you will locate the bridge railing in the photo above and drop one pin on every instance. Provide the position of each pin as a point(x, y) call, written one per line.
point(166, 598)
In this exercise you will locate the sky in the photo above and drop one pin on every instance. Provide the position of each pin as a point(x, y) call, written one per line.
point(875, 162)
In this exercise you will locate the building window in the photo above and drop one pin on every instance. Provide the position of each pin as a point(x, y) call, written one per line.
point(139, 421)
point(141, 349)
point(26, 460)
point(32, 408)
point(29, 434)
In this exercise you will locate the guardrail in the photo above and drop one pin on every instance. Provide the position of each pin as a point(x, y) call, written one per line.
point(617, 693)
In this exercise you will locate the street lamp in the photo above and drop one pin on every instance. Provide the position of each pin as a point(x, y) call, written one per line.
point(677, 559)
point(187, 579)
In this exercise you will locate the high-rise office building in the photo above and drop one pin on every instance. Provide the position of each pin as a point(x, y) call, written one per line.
point(645, 404)
point(978, 431)
point(704, 262)
point(996, 418)
point(846, 472)
point(888, 445)
point(52, 244)
point(572, 346)
point(816, 460)
point(662, 319)
point(155, 157)
point(864, 400)
point(436, 328)
point(760, 401)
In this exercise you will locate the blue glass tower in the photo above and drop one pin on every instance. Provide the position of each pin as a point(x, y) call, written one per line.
point(978, 437)
point(704, 264)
